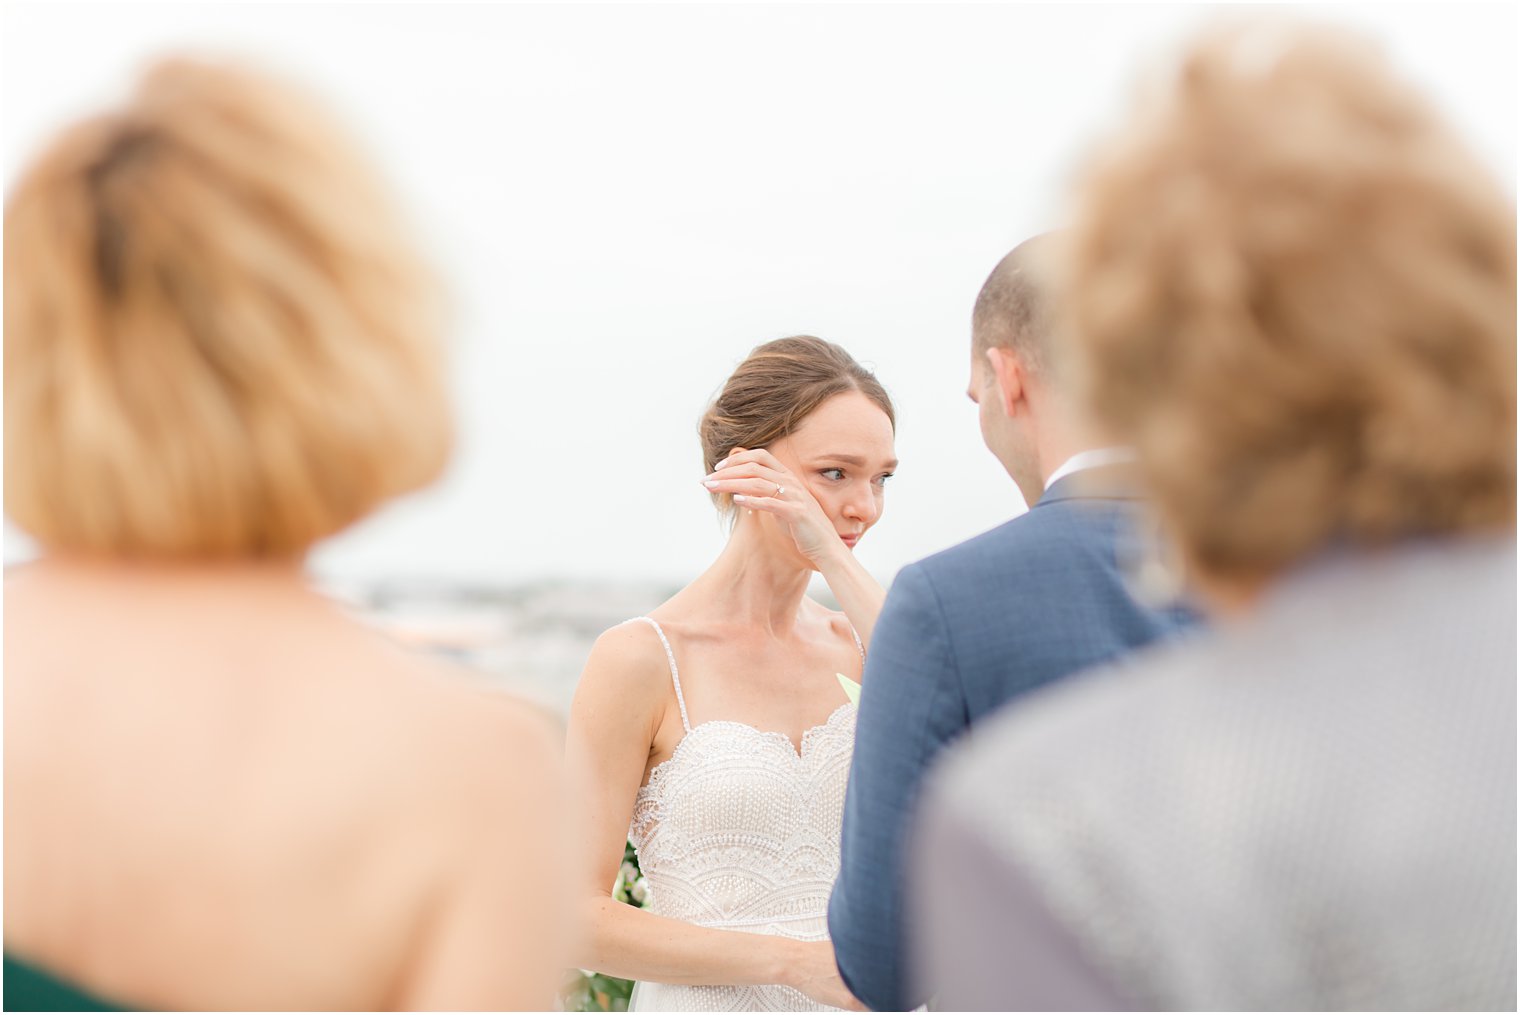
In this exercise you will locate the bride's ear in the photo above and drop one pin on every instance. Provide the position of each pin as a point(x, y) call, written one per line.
point(1009, 374)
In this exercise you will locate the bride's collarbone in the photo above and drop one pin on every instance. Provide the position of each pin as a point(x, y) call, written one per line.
point(754, 655)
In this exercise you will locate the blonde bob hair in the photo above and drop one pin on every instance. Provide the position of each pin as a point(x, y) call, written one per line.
point(1293, 291)
point(218, 341)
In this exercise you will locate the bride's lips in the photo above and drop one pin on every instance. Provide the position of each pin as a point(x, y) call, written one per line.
point(850, 541)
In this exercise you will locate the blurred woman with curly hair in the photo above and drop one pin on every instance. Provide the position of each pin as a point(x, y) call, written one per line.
point(1294, 291)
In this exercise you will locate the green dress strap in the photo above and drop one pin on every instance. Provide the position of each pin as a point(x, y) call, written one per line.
point(28, 988)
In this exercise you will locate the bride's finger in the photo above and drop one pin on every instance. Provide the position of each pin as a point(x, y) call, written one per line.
point(750, 460)
point(748, 473)
point(750, 470)
point(770, 505)
point(758, 456)
point(752, 486)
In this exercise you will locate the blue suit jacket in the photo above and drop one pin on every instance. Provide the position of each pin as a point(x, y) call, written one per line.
point(962, 632)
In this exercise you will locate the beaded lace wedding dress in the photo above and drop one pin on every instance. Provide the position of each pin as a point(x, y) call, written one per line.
point(739, 830)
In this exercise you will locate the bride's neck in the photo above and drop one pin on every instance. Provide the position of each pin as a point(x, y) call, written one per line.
point(759, 578)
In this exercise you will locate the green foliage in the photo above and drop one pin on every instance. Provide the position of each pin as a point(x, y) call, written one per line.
point(588, 991)
point(595, 992)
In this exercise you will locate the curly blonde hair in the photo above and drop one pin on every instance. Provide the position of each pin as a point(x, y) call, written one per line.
point(218, 341)
point(1294, 291)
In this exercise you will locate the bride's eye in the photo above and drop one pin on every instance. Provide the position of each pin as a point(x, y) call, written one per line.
point(835, 474)
point(881, 480)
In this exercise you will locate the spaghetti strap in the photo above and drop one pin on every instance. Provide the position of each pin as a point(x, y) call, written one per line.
point(675, 674)
point(858, 645)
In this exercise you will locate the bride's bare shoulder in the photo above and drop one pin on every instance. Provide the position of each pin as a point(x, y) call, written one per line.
point(632, 648)
point(628, 663)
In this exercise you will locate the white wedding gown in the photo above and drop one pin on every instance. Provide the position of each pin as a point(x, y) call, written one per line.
point(738, 830)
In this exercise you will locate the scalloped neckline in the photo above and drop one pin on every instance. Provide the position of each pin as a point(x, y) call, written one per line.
point(797, 753)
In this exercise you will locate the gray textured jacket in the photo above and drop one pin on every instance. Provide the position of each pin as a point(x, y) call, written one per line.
point(1308, 808)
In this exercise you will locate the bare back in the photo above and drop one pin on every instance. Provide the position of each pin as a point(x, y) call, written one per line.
point(229, 795)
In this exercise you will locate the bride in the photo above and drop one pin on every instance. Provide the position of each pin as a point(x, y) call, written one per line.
point(714, 733)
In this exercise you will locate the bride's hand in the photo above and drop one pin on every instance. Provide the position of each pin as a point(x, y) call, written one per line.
point(759, 482)
point(814, 972)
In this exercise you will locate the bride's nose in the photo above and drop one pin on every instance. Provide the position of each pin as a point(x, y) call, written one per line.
point(862, 505)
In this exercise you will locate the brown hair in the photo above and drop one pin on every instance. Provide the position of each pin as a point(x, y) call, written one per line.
point(217, 338)
point(1296, 295)
point(778, 386)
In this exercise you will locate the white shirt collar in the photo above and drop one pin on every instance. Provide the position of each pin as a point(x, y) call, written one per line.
point(1089, 460)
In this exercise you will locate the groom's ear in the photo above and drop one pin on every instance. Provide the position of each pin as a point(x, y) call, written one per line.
point(1009, 375)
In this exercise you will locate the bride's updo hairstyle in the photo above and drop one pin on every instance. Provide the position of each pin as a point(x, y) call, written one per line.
point(1294, 292)
point(778, 386)
point(218, 342)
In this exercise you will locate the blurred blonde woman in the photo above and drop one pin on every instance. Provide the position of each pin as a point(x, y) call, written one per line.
point(221, 792)
point(1294, 291)
point(715, 733)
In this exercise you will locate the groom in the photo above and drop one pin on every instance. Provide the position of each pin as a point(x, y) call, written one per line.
point(965, 630)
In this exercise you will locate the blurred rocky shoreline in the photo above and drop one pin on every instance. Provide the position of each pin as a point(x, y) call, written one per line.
point(531, 639)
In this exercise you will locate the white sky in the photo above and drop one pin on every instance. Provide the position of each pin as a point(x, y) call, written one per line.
point(627, 198)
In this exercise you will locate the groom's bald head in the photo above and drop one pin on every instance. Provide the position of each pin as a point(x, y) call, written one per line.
point(1013, 311)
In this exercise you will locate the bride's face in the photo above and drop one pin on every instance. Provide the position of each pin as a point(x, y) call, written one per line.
point(844, 454)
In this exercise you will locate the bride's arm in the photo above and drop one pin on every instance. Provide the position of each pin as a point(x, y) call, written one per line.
point(617, 710)
point(860, 596)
